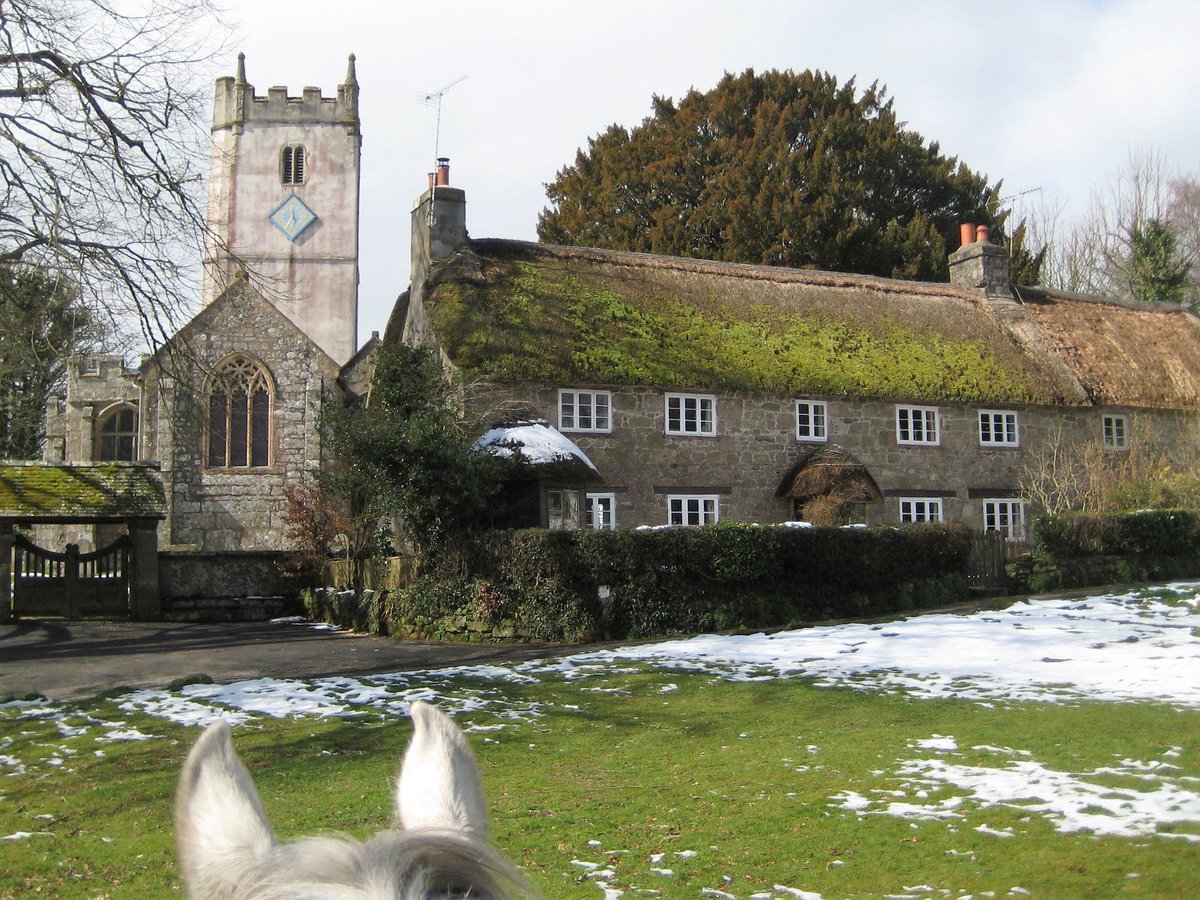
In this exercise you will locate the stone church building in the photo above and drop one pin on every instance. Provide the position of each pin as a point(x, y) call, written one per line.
point(229, 407)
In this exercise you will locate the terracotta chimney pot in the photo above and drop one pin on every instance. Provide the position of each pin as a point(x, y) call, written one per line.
point(981, 234)
point(443, 171)
point(966, 234)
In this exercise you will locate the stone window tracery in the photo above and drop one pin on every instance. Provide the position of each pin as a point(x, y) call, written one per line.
point(240, 398)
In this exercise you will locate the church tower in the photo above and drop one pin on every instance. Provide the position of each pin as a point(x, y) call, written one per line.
point(283, 203)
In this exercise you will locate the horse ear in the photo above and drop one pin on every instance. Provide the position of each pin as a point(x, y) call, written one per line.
point(220, 827)
point(439, 784)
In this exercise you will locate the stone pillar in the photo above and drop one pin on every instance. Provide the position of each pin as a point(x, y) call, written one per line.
point(144, 600)
point(6, 546)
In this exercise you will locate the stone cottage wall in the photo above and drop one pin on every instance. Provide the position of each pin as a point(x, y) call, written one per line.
point(756, 445)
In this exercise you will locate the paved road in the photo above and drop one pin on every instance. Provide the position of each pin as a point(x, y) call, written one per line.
point(78, 660)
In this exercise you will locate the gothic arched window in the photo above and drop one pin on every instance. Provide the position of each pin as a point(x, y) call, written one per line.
point(293, 164)
point(239, 414)
point(116, 435)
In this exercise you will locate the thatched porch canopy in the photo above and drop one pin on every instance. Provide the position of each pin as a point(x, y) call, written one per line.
point(550, 455)
point(829, 470)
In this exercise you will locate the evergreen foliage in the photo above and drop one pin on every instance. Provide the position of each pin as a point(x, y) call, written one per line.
point(777, 168)
point(1157, 274)
point(41, 325)
point(1026, 261)
point(408, 452)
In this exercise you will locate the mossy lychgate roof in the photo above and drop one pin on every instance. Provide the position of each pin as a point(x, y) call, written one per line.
point(87, 492)
point(517, 311)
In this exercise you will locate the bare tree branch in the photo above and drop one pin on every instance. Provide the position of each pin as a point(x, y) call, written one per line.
point(103, 149)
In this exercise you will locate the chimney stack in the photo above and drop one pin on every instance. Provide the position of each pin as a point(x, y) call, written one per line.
point(981, 265)
point(439, 221)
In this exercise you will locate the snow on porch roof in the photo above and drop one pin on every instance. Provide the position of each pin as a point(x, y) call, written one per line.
point(541, 445)
point(82, 492)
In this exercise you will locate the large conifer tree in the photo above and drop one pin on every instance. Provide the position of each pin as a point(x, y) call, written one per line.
point(776, 168)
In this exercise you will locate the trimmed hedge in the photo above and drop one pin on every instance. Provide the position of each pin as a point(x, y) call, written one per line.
point(732, 576)
point(548, 585)
point(1085, 549)
point(1162, 532)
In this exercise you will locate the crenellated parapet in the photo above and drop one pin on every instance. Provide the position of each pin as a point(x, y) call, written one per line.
point(237, 104)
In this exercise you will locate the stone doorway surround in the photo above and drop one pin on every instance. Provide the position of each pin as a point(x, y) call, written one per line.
point(36, 493)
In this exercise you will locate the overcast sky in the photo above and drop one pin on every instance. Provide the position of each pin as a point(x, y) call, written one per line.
point(1051, 95)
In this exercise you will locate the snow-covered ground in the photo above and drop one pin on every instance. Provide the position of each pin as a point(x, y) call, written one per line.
point(1142, 645)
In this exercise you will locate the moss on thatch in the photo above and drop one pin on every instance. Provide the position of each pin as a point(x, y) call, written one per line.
point(588, 317)
point(84, 492)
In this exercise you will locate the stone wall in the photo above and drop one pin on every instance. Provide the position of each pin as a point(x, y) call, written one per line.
point(235, 508)
point(756, 445)
point(225, 587)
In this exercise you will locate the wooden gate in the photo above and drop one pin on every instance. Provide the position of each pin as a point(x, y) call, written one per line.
point(985, 569)
point(71, 584)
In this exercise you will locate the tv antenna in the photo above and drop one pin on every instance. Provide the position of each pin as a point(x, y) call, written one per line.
point(434, 98)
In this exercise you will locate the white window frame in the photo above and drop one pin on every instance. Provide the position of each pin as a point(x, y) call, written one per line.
point(1006, 516)
point(914, 510)
point(693, 509)
point(999, 428)
point(607, 504)
point(585, 411)
point(816, 427)
point(690, 419)
point(927, 421)
point(1116, 431)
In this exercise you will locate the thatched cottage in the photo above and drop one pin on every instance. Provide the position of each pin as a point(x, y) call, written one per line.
point(709, 391)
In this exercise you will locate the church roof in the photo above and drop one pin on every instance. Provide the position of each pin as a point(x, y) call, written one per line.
point(519, 311)
point(80, 492)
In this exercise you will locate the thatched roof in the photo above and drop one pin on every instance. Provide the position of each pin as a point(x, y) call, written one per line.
point(1124, 354)
point(827, 470)
point(549, 454)
point(519, 311)
point(81, 492)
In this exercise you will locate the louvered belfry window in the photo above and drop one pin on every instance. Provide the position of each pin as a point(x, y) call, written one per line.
point(239, 415)
point(294, 164)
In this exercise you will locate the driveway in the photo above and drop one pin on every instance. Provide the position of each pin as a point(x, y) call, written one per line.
point(77, 660)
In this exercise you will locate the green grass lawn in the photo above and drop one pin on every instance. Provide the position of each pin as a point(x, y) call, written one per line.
point(677, 782)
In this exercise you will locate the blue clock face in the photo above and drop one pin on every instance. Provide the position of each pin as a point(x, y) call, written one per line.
point(292, 216)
